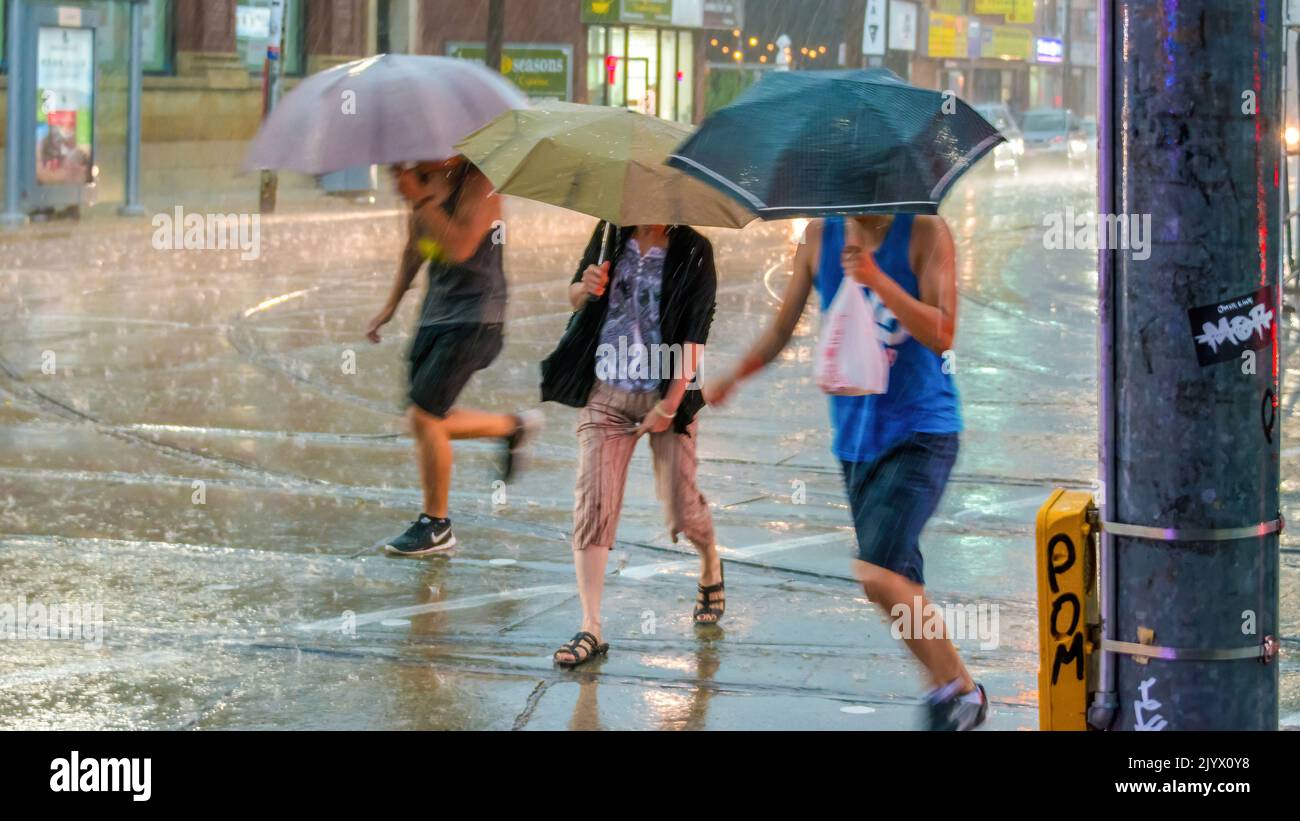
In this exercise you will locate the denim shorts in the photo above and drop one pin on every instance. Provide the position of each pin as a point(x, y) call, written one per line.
point(893, 496)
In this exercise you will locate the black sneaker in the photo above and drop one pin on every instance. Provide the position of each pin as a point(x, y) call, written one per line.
point(530, 424)
point(957, 711)
point(425, 535)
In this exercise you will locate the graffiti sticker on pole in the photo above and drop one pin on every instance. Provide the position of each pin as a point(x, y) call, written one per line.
point(1223, 330)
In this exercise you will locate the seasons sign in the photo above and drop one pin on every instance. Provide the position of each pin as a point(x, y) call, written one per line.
point(541, 71)
point(1223, 330)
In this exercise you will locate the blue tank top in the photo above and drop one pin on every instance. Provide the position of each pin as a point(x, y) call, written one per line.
point(921, 397)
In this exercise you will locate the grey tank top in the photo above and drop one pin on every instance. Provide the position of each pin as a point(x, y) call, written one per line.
point(469, 292)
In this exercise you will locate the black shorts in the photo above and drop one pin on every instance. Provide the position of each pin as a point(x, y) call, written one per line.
point(444, 357)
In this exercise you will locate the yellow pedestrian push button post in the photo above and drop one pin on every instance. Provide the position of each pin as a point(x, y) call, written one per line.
point(1066, 548)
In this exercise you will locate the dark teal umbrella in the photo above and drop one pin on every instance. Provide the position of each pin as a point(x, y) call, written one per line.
point(818, 143)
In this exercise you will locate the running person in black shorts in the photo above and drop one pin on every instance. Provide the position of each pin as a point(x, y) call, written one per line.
point(454, 215)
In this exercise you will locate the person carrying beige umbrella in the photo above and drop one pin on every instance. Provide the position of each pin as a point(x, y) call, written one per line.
point(643, 297)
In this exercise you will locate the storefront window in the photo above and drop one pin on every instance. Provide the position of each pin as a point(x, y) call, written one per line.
point(156, 33)
point(157, 37)
point(253, 26)
point(667, 74)
point(597, 74)
point(295, 37)
point(652, 70)
point(616, 92)
point(685, 77)
point(642, 70)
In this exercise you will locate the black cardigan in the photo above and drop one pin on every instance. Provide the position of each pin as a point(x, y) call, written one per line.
point(690, 287)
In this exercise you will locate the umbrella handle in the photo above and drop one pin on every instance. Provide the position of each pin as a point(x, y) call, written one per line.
point(604, 240)
point(600, 258)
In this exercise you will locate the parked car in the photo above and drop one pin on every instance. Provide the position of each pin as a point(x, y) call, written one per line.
point(1055, 135)
point(1006, 157)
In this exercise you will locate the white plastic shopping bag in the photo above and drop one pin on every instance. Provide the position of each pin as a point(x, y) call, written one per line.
point(850, 361)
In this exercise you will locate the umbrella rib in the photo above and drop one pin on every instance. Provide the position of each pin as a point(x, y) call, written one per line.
point(970, 156)
point(570, 195)
point(846, 207)
point(754, 201)
point(485, 161)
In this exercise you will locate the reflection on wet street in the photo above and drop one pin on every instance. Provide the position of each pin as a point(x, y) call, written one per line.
point(207, 449)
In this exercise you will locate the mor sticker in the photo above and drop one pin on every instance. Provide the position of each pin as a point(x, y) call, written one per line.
point(1223, 330)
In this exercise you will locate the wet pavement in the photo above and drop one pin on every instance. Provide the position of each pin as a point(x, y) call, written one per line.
point(207, 449)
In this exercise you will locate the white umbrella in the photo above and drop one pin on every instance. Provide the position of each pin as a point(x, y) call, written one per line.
point(386, 109)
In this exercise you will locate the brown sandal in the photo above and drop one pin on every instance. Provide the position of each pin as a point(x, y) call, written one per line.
point(583, 647)
point(712, 600)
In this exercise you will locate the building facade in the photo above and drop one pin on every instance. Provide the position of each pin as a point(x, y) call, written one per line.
point(203, 62)
point(1024, 53)
point(676, 59)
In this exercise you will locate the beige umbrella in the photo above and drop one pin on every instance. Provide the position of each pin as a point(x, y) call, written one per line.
point(604, 162)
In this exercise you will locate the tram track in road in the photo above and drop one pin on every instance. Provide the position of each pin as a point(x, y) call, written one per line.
point(675, 562)
point(38, 400)
point(156, 636)
point(528, 658)
point(401, 498)
point(479, 664)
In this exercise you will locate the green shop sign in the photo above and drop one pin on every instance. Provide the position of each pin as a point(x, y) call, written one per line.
point(543, 72)
point(628, 11)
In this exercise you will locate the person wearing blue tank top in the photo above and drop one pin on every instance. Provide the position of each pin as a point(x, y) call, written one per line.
point(896, 449)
